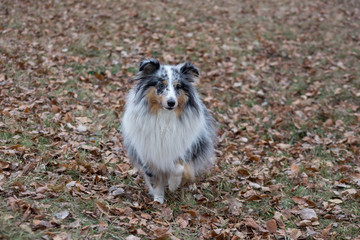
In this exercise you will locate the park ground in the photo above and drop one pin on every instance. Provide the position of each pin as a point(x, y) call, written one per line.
point(282, 79)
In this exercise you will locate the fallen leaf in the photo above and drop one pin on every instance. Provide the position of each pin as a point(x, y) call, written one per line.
point(68, 118)
point(71, 184)
point(61, 215)
point(40, 224)
point(308, 214)
point(326, 231)
point(167, 214)
point(303, 201)
point(62, 236)
point(283, 146)
point(295, 169)
point(123, 167)
point(145, 216)
point(103, 209)
point(350, 191)
point(132, 237)
point(28, 167)
point(243, 172)
point(182, 222)
point(118, 192)
point(271, 226)
point(336, 201)
point(161, 232)
point(235, 207)
point(81, 128)
point(139, 231)
point(83, 120)
point(293, 233)
point(42, 189)
point(305, 223)
point(75, 224)
point(280, 218)
point(251, 223)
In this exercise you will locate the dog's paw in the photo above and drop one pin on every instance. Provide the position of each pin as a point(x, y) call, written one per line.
point(193, 187)
point(174, 183)
point(174, 186)
point(159, 199)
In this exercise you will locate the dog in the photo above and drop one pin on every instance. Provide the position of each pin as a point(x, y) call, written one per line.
point(167, 131)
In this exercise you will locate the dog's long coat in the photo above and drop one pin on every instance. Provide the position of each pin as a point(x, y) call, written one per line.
point(168, 132)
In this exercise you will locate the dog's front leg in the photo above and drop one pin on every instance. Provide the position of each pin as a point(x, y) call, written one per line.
point(174, 180)
point(159, 191)
point(156, 186)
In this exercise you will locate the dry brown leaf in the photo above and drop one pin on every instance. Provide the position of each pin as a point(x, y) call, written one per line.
point(235, 207)
point(123, 167)
point(251, 223)
point(283, 146)
point(295, 169)
point(103, 208)
point(68, 118)
point(139, 231)
point(305, 223)
point(42, 189)
point(76, 224)
point(271, 226)
point(293, 234)
point(280, 218)
point(146, 216)
point(41, 225)
point(243, 172)
point(308, 214)
point(161, 233)
point(28, 167)
point(167, 214)
point(182, 222)
point(336, 201)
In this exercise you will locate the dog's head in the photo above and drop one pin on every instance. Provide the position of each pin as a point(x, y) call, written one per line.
point(166, 86)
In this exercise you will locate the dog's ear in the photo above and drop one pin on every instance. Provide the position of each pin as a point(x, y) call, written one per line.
point(148, 66)
point(189, 69)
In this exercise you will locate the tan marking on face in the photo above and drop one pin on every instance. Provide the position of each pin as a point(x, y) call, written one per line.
point(182, 100)
point(154, 101)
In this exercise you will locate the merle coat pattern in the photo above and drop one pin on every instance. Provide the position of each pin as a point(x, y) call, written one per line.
point(168, 132)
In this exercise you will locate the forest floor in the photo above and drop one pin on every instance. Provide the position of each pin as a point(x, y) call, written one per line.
point(282, 79)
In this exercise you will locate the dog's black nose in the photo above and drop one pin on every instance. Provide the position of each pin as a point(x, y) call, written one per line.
point(171, 102)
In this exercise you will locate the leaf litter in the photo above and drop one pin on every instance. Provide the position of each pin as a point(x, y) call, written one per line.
point(281, 79)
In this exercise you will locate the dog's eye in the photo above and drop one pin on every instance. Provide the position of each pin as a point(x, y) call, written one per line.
point(161, 85)
point(177, 87)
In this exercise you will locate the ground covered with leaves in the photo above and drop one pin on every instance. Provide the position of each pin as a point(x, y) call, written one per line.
point(282, 79)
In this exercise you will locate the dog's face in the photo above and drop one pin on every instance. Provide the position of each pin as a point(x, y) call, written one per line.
point(165, 86)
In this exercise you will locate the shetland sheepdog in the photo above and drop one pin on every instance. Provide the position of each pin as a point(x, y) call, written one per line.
point(168, 132)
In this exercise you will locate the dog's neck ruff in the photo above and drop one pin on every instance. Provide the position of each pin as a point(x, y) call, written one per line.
point(160, 139)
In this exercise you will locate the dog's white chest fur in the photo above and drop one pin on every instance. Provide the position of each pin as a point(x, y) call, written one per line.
point(160, 139)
